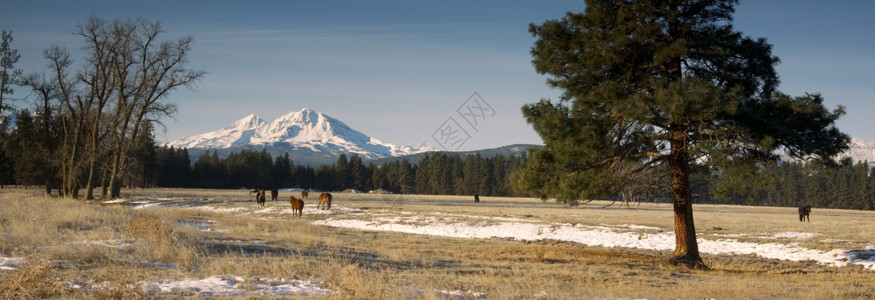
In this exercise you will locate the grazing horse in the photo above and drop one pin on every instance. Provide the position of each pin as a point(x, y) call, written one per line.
point(273, 194)
point(804, 212)
point(259, 199)
point(324, 201)
point(297, 206)
point(304, 193)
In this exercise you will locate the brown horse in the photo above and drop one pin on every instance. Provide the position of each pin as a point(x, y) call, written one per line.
point(304, 193)
point(274, 194)
point(324, 201)
point(804, 212)
point(297, 206)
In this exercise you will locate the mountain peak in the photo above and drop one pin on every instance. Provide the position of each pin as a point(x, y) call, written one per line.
point(304, 116)
point(248, 122)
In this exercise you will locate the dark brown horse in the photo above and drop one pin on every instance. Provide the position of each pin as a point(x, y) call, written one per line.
point(324, 201)
point(273, 194)
point(259, 199)
point(297, 206)
point(804, 213)
point(304, 193)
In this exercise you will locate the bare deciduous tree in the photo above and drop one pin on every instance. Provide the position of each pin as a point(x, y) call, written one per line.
point(145, 71)
point(127, 76)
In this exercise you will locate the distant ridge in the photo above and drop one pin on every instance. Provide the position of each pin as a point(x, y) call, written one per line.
point(506, 151)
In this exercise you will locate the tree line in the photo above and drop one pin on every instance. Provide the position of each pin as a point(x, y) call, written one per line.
point(797, 184)
point(436, 173)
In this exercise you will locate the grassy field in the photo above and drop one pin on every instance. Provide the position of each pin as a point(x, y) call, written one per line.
point(73, 249)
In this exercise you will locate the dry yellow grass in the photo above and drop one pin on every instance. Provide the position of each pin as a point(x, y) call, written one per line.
point(114, 247)
point(38, 279)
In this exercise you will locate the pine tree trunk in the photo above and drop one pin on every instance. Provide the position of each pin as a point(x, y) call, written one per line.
point(686, 247)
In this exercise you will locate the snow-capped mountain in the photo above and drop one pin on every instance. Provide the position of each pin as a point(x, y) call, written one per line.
point(860, 150)
point(301, 131)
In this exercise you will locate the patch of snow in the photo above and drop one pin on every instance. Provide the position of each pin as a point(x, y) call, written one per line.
point(116, 201)
point(794, 235)
point(780, 235)
point(145, 205)
point(11, 263)
point(137, 203)
point(639, 227)
point(218, 209)
point(225, 285)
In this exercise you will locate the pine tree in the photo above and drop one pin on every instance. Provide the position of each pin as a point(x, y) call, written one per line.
point(457, 175)
point(406, 177)
point(324, 177)
point(282, 171)
point(669, 84)
point(378, 177)
point(305, 176)
point(23, 148)
point(473, 174)
point(343, 180)
point(9, 75)
point(357, 174)
point(499, 168)
point(174, 168)
point(420, 183)
point(144, 165)
point(6, 162)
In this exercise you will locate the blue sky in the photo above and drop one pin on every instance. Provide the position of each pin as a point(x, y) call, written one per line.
point(399, 70)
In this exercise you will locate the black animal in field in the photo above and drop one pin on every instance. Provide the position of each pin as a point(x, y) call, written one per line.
point(804, 213)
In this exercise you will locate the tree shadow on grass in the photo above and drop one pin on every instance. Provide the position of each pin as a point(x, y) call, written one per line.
point(362, 258)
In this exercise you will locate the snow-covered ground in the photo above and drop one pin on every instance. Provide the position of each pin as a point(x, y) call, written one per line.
point(627, 236)
point(235, 285)
point(11, 263)
point(779, 245)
